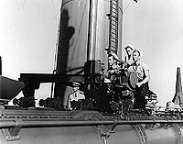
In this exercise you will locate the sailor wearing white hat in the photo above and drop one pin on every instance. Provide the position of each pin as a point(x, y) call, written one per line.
point(114, 56)
point(129, 58)
point(142, 71)
point(129, 46)
point(140, 53)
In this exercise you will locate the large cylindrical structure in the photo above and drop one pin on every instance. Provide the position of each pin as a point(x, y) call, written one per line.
point(84, 127)
point(73, 38)
point(124, 134)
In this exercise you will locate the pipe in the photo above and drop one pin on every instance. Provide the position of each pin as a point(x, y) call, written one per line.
point(92, 30)
point(0, 76)
point(40, 123)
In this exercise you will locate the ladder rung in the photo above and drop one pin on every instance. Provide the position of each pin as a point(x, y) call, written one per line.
point(114, 38)
point(114, 41)
point(114, 2)
point(113, 17)
point(113, 46)
point(114, 29)
point(114, 20)
point(114, 23)
point(113, 32)
point(114, 12)
point(113, 6)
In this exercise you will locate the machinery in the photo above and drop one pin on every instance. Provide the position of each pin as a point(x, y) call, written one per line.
point(106, 115)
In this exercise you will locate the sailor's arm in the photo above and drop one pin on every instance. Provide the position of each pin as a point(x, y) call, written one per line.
point(69, 102)
point(146, 79)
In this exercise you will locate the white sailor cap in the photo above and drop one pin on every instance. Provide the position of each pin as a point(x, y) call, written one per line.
point(76, 84)
point(114, 55)
point(129, 46)
point(140, 52)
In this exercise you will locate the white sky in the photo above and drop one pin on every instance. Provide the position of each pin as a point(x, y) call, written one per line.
point(29, 29)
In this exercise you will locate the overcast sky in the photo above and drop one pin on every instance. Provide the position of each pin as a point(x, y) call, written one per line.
point(29, 32)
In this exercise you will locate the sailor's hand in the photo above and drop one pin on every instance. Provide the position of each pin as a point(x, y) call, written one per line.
point(111, 71)
point(65, 107)
point(138, 84)
point(106, 80)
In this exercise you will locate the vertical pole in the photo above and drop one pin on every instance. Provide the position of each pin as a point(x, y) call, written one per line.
point(120, 32)
point(0, 66)
point(92, 30)
point(0, 74)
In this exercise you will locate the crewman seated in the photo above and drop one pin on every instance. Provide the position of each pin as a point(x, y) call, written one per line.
point(114, 69)
point(75, 98)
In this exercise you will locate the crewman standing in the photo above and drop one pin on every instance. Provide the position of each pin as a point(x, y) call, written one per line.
point(143, 75)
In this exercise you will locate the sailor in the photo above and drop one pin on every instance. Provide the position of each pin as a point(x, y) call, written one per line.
point(127, 62)
point(143, 75)
point(129, 58)
point(75, 96)
point(170, 106)
point(114, 68)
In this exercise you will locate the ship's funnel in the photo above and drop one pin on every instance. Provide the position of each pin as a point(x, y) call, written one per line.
point(178, 98)
point(9, 88)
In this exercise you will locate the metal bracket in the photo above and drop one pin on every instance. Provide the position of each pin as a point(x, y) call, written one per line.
point(104, 133)
point(178, 133)
point(12, 133)
point(141, 132)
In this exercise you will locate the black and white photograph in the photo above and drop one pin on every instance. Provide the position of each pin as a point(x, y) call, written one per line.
point(91, 72)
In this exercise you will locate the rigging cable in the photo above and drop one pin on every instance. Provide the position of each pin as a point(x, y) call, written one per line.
point(127, 6)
